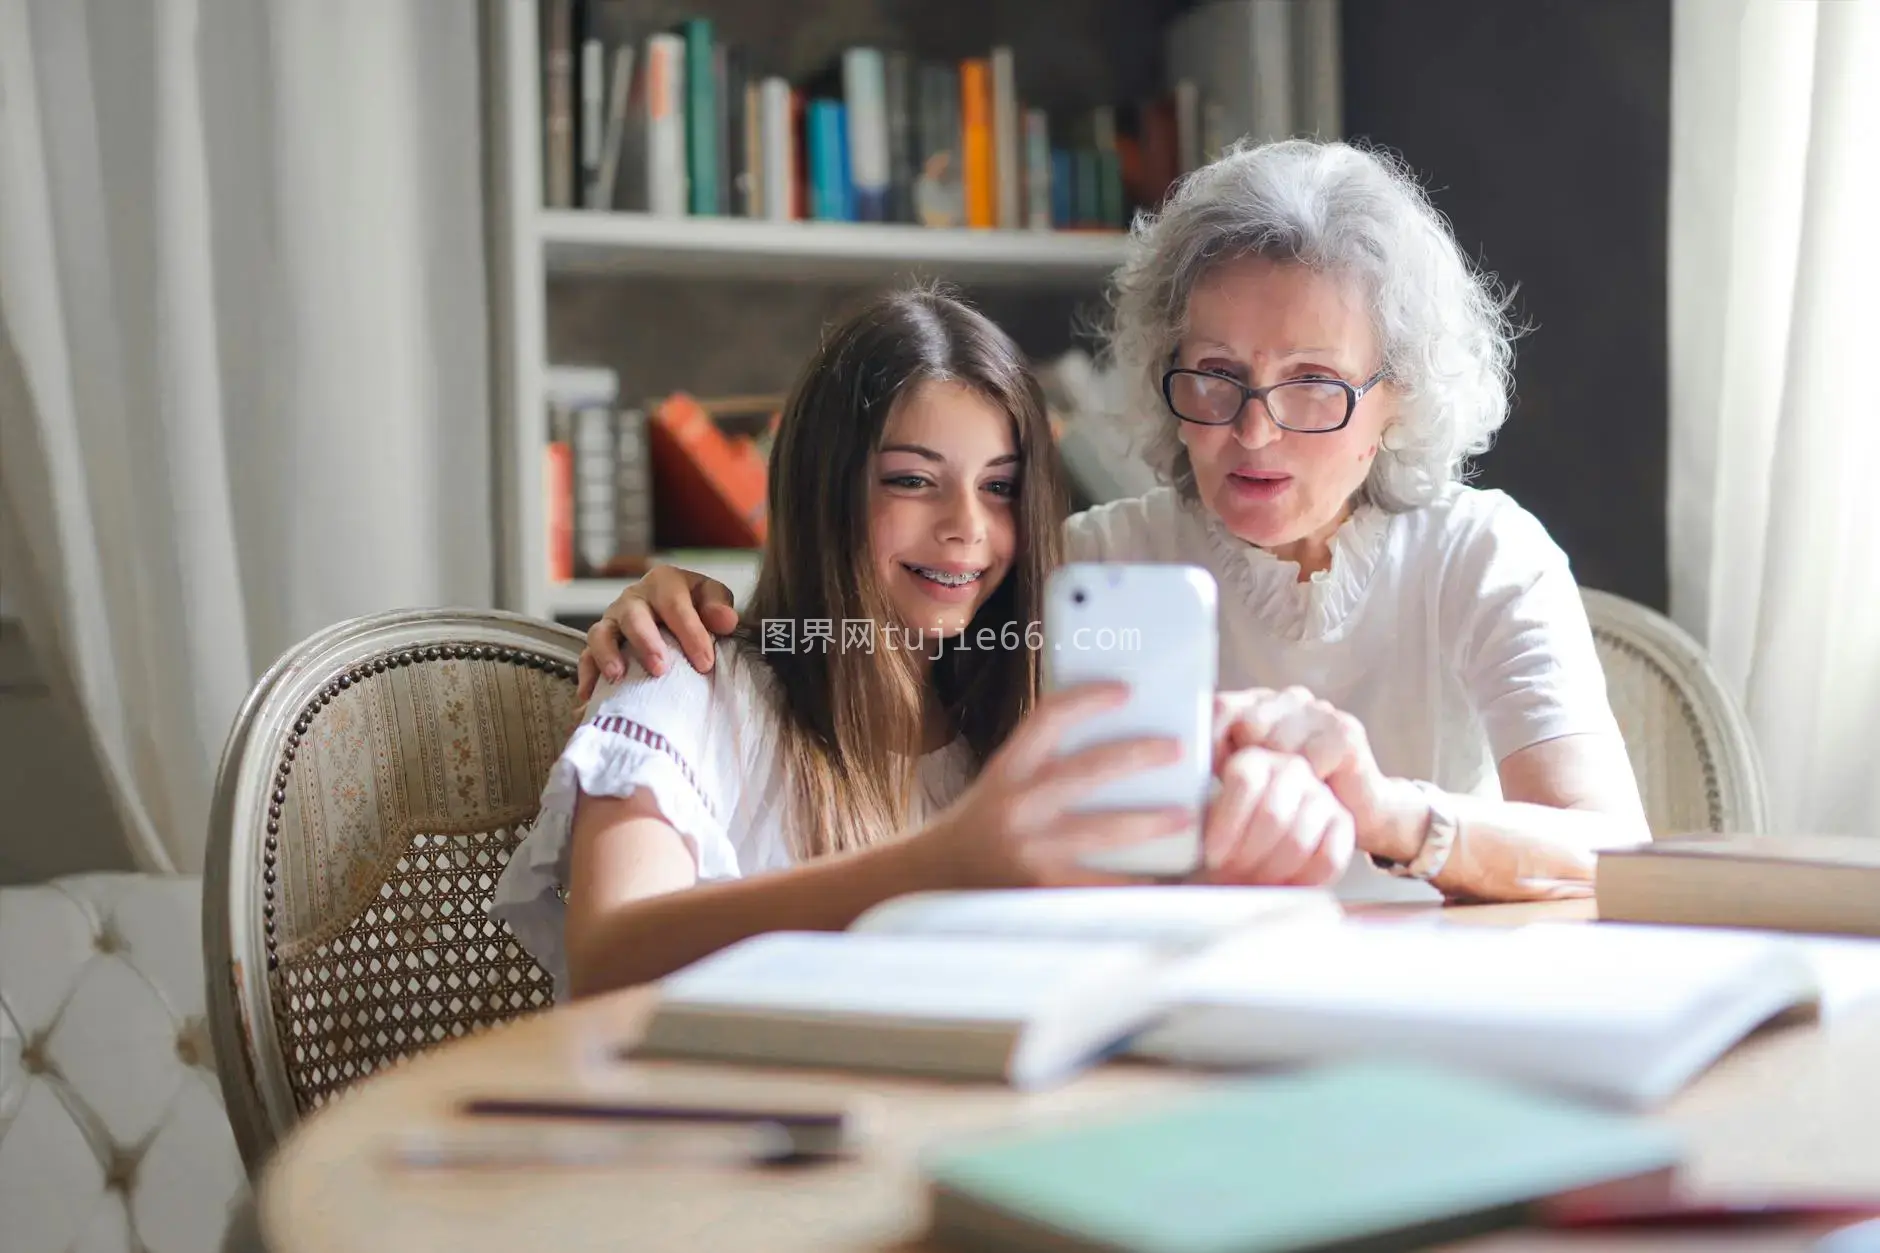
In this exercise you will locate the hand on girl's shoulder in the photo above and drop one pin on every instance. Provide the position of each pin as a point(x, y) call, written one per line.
point(728, 685)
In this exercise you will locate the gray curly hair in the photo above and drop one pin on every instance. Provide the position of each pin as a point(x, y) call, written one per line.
point(1443, 327)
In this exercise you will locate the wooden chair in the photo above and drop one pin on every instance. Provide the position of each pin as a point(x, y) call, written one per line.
point(372, 788)
point(1689, 741)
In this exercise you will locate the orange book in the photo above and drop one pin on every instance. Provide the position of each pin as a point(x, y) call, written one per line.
point(709, 489)
point(558, 503)
point(977, 168)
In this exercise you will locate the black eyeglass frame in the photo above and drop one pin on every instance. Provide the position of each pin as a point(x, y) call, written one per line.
point(1352, 396)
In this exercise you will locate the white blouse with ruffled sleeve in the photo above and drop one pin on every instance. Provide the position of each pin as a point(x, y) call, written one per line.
point(705, 747)
point(1455, 632)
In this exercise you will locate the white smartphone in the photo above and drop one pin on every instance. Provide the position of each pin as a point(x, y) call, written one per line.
point(1155, 628)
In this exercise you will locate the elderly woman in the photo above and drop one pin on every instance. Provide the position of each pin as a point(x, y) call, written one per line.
point(1320, 361)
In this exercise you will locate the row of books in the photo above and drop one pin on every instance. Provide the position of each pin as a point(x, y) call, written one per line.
point(679, 122)
point(625, 481)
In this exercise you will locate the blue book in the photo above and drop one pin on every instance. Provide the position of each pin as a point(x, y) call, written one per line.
point(845, 164)
point(1063, 189)
point(823, 132)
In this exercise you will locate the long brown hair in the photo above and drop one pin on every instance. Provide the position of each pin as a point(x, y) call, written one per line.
point(852, 718)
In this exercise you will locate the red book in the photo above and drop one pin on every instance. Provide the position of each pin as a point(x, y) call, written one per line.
point(709, 489)
point(558, 505)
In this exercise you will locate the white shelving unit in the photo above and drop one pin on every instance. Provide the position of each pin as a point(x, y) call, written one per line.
point(640, 244)
point(530, 244)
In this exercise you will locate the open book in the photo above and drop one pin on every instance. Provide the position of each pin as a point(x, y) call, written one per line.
point(1027, 988)
point(1622, 1014)
point(1023, 987)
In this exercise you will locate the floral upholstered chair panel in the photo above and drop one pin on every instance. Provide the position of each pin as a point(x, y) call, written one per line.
point(374, 787)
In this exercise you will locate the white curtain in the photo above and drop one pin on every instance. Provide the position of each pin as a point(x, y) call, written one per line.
point(243, 357)
point(1775, 404)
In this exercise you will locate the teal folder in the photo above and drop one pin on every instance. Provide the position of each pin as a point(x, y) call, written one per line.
point(1342, 1158)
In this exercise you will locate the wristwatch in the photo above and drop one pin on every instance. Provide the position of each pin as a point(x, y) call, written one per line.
point(1438, 840)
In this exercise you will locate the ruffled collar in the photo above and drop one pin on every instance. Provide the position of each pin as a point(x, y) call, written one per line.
point(1268, 589)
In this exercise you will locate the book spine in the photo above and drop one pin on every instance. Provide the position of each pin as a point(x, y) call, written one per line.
point(1063, 189)
point(844, 167)
point(1109, 167)
point(701, 116)
point(593, 118)
point(735, 195)
point(979, 172)
point(803, 177)
point(1037, 170)
point(1089, 206)
point(865, 105)
point(614, 143)
point(595, 471)
point(898, 81)
point(753, 139)
point(558, 502)
point(1161, 151)
point(633, 486)
point(668, 168)
point(1007, 140)
point(938, 188)
point(721, 118)
point(779, 147)
point(826, 141)
point(558, 104)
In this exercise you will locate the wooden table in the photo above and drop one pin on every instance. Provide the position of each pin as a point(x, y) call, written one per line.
point(1794, 1106)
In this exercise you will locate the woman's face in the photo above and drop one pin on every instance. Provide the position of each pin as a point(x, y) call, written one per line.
point(1261, 321)
point(943, 487)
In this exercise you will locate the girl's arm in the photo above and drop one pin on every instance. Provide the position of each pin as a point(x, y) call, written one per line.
point(636, 911)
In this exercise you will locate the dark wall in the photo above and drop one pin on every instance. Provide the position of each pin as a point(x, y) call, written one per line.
point(1541, 129)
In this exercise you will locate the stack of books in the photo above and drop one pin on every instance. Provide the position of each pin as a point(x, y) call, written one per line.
point(625, 482)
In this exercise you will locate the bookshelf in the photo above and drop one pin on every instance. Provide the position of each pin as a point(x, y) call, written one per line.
point(530, 246)
point(582, 242)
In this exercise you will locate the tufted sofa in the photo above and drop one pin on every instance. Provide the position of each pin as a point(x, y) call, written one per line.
point(112, 1130)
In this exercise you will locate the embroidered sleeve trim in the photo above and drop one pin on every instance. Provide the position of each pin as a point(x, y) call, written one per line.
point(629, 729)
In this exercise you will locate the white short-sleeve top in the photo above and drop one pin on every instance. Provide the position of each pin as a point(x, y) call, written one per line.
point(705, 746)
point(1455, 632)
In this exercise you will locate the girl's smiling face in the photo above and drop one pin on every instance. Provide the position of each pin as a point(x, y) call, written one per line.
point(942, 486)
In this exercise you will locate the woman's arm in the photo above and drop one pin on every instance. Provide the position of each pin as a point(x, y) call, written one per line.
point(636, 911)
point(1563, 800)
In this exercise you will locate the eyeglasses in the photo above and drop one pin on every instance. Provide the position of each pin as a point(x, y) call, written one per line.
point(1315, 405)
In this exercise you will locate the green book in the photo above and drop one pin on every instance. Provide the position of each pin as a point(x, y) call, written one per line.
point(701, 115)
point(1349, 1157)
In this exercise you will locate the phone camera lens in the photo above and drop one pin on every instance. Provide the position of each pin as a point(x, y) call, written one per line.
point(1077, 597)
